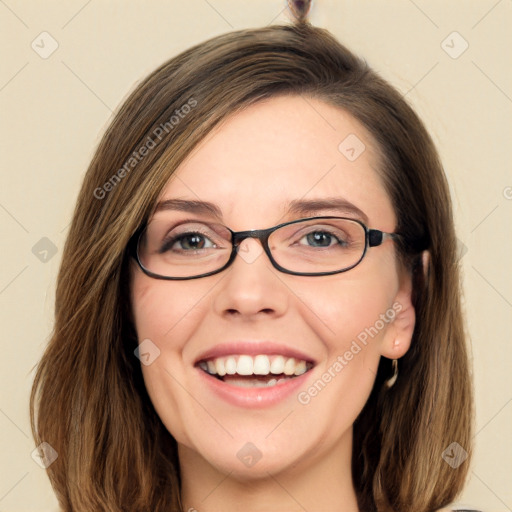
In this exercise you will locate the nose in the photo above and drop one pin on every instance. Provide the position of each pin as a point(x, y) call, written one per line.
point(251, 285)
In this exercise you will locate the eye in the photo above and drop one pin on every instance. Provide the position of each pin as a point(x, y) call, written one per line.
point(321, 237)
point(189, 241)
point(188, 238)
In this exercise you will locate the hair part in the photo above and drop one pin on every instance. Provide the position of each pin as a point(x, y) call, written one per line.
point(89, 401)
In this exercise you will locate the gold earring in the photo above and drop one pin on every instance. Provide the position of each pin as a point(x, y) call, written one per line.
point(391, 381)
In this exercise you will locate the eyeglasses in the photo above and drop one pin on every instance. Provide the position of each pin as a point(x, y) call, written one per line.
point(318, 246)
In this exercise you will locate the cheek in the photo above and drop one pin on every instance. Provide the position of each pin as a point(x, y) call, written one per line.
point(166, 314)
point(347, 318)
point(164, 311)
point(350, 305)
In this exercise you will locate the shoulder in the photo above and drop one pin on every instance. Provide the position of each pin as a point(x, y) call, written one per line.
point(466, 509)
point(458, 510)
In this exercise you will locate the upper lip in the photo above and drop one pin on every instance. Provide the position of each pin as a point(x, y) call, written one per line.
point(252, 348)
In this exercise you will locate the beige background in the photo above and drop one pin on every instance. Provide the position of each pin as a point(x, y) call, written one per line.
point(55, 109)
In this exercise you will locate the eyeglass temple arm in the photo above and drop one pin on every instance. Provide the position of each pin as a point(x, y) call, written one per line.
point(376, 237)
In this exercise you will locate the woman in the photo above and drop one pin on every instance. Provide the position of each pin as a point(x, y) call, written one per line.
point(258, 306)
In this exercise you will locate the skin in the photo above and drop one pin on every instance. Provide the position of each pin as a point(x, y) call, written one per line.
point(254, 163)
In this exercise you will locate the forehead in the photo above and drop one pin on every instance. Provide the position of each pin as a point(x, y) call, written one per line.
point(279, 150)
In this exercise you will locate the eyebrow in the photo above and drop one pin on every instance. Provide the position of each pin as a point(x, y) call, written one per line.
point(302, 207)
point(314, 206)
point(187, 205)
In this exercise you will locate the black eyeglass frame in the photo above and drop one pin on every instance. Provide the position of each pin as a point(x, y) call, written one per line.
point(373, 238)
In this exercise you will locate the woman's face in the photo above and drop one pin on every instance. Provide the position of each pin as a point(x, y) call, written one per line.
point(284, 149)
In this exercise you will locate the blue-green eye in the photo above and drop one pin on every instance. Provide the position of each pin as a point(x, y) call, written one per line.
point(322, 238)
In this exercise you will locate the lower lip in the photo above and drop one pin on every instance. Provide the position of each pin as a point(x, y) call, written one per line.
point(253, 397)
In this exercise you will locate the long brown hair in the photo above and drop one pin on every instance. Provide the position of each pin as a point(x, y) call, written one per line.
point(89, 401)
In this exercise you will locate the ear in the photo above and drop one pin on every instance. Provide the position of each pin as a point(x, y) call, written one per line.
point(398, 336)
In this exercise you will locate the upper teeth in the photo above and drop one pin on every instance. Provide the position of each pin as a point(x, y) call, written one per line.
point(257, 365)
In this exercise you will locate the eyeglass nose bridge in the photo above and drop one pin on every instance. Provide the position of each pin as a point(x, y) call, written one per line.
point(237, 237)
point(261, 234)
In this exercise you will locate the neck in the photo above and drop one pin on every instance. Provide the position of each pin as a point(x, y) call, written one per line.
point(320, 481)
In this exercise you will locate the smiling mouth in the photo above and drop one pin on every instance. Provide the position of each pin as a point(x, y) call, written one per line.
point(255, 371)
